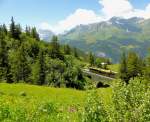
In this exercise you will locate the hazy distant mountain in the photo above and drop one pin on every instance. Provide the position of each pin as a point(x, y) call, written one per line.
point(110, 38)
point(45, 34)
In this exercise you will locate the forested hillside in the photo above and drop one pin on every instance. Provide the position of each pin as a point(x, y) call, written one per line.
point(26, 58)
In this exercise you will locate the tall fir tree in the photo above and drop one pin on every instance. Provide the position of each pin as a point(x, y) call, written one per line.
point(42, 69)
point(91, 59)
point(3, 28)
point(18, 31)
point(133, 65)
point(23, 66)
point(35, 34)
point(75, 53)
point(28, 31)
point(123, 71)
point(146, 70)
point(3, 57)
point(5, 73)
point(55, 49)
point(12, 28)
point(15, 30)
point(67, 49)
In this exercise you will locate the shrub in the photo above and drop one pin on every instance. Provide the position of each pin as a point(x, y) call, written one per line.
point(94, 109)
point(131, 102)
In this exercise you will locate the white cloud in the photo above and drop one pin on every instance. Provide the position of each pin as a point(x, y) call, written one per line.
point(110, 8)
point(80, 16)
point(115, 7)
point(123, 8)
point(45, 26)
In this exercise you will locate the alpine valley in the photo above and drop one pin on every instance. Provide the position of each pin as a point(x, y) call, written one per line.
point(110, 38)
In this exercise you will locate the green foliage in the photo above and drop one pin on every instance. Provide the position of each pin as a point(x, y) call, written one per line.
point(42, 68)
point(15, 30)
point(98, 62)
point(124, 104)
point(55, 49)
point(94, 109)
point(147, 69)
point(123, 71)
point(23, 66)
point(67, 50)
point(3, 57)
point(76, 53)
point(91, 59)
point(55, 72)
point(34, 34)
point(130, 103)
point(25, 58)
point(131, 66)
point(20, 69)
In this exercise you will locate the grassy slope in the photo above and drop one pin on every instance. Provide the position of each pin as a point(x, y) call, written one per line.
point(114, 67)
point(38, 95)
point(61, 95)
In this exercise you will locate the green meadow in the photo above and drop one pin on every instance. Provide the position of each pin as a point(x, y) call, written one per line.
point(22, 102)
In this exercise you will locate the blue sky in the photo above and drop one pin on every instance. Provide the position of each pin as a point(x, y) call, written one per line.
point(36, 11)
point(52, 12)
point(140, 4)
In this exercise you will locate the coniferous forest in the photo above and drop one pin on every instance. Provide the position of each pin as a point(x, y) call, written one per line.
point(27, 59)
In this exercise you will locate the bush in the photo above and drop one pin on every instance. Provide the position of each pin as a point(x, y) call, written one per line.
point(131, 102)
point(94, 109)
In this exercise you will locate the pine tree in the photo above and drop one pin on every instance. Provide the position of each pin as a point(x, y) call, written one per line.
point(12, 28)
point(3, 57)
point(9, 76)
point(28, 31)
point(4, 29)
point(67, 49)
point(42, 73)
point(123, 71)
point(147, 69)
point(55, 49)
point(23, 66)
point(132, 64)
point(35, 34)
point(76, 53)
point(15, 30)
point(5, 73)
point(91, 59)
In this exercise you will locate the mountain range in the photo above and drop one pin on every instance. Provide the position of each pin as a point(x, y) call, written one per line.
point(110, 38)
